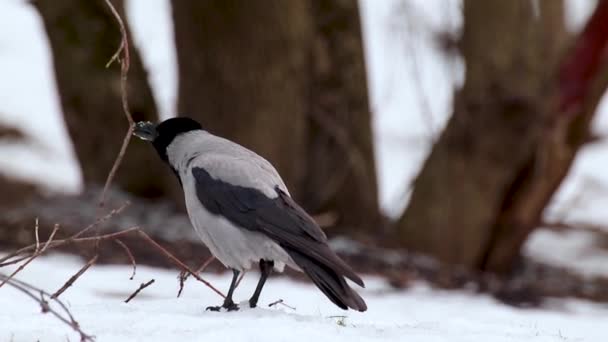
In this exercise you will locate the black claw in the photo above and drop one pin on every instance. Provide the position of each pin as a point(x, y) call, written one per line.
point(229, 306)
point(232, 307)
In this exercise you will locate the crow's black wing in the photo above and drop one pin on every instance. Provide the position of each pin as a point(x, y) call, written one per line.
point(279, 218)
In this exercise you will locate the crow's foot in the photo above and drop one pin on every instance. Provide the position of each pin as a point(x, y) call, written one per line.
point(229, 306)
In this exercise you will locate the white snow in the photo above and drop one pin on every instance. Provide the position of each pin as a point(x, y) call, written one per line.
point(576, 250)
point(419, 314)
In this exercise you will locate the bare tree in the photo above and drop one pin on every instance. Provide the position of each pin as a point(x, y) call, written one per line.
point(511, 139)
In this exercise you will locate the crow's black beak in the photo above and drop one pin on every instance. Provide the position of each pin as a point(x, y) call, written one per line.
point(145, 130)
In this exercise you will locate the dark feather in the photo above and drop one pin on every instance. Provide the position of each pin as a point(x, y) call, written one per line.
point(285, 222)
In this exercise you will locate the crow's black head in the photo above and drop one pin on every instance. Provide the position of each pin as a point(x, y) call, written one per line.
point(162, 135)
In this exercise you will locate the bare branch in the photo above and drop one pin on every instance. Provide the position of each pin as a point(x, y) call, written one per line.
point(238, 282)
point(27, 249)
point(73, 278)
point(141, 287)
point(124, 69)
point(39, 295)
point(130, 255)
point(183, 275)
point(178, 263)
point(34, 256)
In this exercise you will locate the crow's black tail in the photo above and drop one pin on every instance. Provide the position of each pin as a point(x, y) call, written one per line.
point(330, 279)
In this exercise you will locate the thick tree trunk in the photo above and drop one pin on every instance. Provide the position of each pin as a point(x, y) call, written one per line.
point(83, 36)
point(490, 146)
point(244, 72)
point(287, 80)
point(341, 176)
point(579, 82)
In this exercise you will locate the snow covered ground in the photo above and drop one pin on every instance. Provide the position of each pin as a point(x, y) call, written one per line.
point(410, 86)
point(419, 314)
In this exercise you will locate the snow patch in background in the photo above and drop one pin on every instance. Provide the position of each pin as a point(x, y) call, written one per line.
point(29, 101)
point(411, 83)
point(577, 12)
point(151, 24)
point(575, 250)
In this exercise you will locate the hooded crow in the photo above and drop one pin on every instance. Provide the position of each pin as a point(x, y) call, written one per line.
point(242, 211)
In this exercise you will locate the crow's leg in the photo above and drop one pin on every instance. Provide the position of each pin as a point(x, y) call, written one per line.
point(228, 303)
point(265, 268)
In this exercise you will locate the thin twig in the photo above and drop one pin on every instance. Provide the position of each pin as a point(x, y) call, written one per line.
point(59, 243)
point(130, 255)
point(73, 278)
point(238, 282)
point(124, 70)
point(141, 287)
point(178, 262)
point(280, 301)
point(38, 295)
point(36, 234)
point(183, 275)
point(114, 212)
point(34, 256)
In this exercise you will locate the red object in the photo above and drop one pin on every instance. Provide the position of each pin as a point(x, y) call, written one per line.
point(577, 72)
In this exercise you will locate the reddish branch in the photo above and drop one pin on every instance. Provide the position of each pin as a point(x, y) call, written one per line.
point(130, 255)
point(124, 69)
point(183, 275)
point(178, 262)
point(581, 66)
point(111, 236)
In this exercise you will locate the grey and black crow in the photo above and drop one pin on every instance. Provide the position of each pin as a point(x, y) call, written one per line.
point(242, 211)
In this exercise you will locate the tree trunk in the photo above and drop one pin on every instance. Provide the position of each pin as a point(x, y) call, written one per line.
point(243, 73)
point(287, 80)
point(490, 146)
point(83, 36)
point(341, 176)
point(580, 81)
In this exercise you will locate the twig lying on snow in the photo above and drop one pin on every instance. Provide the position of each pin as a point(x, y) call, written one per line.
point(280, 301)
point(141, 287)
point(124, 69)
point(39, 295)
point(73, 278)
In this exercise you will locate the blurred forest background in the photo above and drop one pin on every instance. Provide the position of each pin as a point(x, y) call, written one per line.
point(288, 79)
